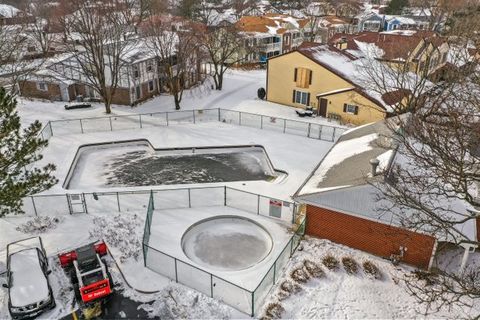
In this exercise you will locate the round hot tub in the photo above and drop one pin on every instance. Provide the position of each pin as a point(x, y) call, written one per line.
point(227, 243)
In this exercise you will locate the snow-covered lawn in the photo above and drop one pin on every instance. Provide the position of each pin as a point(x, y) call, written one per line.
point(336, 294)
point(239, 93)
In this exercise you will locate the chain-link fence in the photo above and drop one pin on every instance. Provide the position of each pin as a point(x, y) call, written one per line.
point(144, 120)
point(233, 294)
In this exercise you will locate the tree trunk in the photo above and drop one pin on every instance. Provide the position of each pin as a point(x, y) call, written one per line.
point(177, 101)
point(108, 108)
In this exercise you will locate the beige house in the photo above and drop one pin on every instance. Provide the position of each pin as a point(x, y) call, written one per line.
point(326, 79)
point(422, 52)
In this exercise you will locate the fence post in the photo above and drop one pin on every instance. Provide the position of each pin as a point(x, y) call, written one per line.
point(111, 127)
point(239, 118)
point(261, 121)
point(309, 129)
point(211, 285)
point(140, 119)
point(333, 135)
point(320, 132)
point(153, 201)
point(253, 304)
point(176, 273)
point(50, 125)
point(219, 115)
point(118, 202)
point(189, 199)
point(258, 204)
point(193, 111)
point(167, 117)
point(224, 196)
point(291, 245)
point(274, 271)
point(70, 208)
point(34, 206)
point(81, 125)
point(85, 203)
point(284, 125)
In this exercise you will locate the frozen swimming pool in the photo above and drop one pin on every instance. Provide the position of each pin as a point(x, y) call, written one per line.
point(137, 163)
point(227, 243)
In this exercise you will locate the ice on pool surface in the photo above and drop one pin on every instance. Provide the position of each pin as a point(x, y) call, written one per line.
point(227, 243)
point(138, 164)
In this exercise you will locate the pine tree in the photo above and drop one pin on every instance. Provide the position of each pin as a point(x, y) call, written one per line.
point(18, 149)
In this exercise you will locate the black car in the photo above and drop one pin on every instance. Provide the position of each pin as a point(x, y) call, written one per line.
point(29, 291)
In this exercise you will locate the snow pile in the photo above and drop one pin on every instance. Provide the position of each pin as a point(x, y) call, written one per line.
point(8, 11)
point(39, 225)
point(120, 231)
point(178, 302)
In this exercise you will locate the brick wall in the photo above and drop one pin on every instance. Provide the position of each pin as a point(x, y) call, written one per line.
point(369, 236)
point(478, 228)
point(29, 89)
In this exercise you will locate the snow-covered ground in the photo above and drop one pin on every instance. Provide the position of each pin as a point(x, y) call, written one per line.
point(239, 93)
point(336, 294)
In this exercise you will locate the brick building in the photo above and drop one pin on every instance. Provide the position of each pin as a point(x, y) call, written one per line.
point(141, 78)
point(342, 204)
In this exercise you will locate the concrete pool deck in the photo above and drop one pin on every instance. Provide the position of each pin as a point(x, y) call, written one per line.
point(169, 226)
point(296, 155)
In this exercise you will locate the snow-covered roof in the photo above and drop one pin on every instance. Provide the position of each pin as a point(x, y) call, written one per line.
point(8, 11)
point(343, 181)
point(347, 163)
point(350, 68)
point(29, 284)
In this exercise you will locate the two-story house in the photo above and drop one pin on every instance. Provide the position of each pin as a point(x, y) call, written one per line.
point(409, 50)
point(140, 78)
point(328, 80)
point(270, 35)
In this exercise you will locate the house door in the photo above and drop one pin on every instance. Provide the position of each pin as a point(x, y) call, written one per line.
point(322, 107)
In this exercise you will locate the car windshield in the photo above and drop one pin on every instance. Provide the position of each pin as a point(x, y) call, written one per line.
point(92, 278)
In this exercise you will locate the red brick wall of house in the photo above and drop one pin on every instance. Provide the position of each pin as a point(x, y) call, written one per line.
point(29, 89)
point(370, 236)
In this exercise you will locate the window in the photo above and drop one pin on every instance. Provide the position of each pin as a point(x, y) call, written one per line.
point(136, 72)
point(42, 86)
point(302, 77)
point(301, 97)
point(149, 66)
point(151, 86)
point(350, 108)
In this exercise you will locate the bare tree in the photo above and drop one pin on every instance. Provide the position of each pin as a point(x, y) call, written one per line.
point(95, 34)
point(176, 47)
point(39, 30)
point(225, 47)
point(433, 185)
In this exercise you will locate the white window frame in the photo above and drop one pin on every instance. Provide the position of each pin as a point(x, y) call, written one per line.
point(350, 108)
point(42, 84)
point(301, 97)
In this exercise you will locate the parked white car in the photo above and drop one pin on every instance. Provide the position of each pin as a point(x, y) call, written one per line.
point(29, 290)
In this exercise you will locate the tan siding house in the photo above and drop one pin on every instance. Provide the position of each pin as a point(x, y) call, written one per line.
point(301, 80)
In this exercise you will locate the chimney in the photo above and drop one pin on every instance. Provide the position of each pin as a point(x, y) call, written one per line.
point(374, 163)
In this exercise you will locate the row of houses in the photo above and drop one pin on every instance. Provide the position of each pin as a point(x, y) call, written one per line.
point(334, 79)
